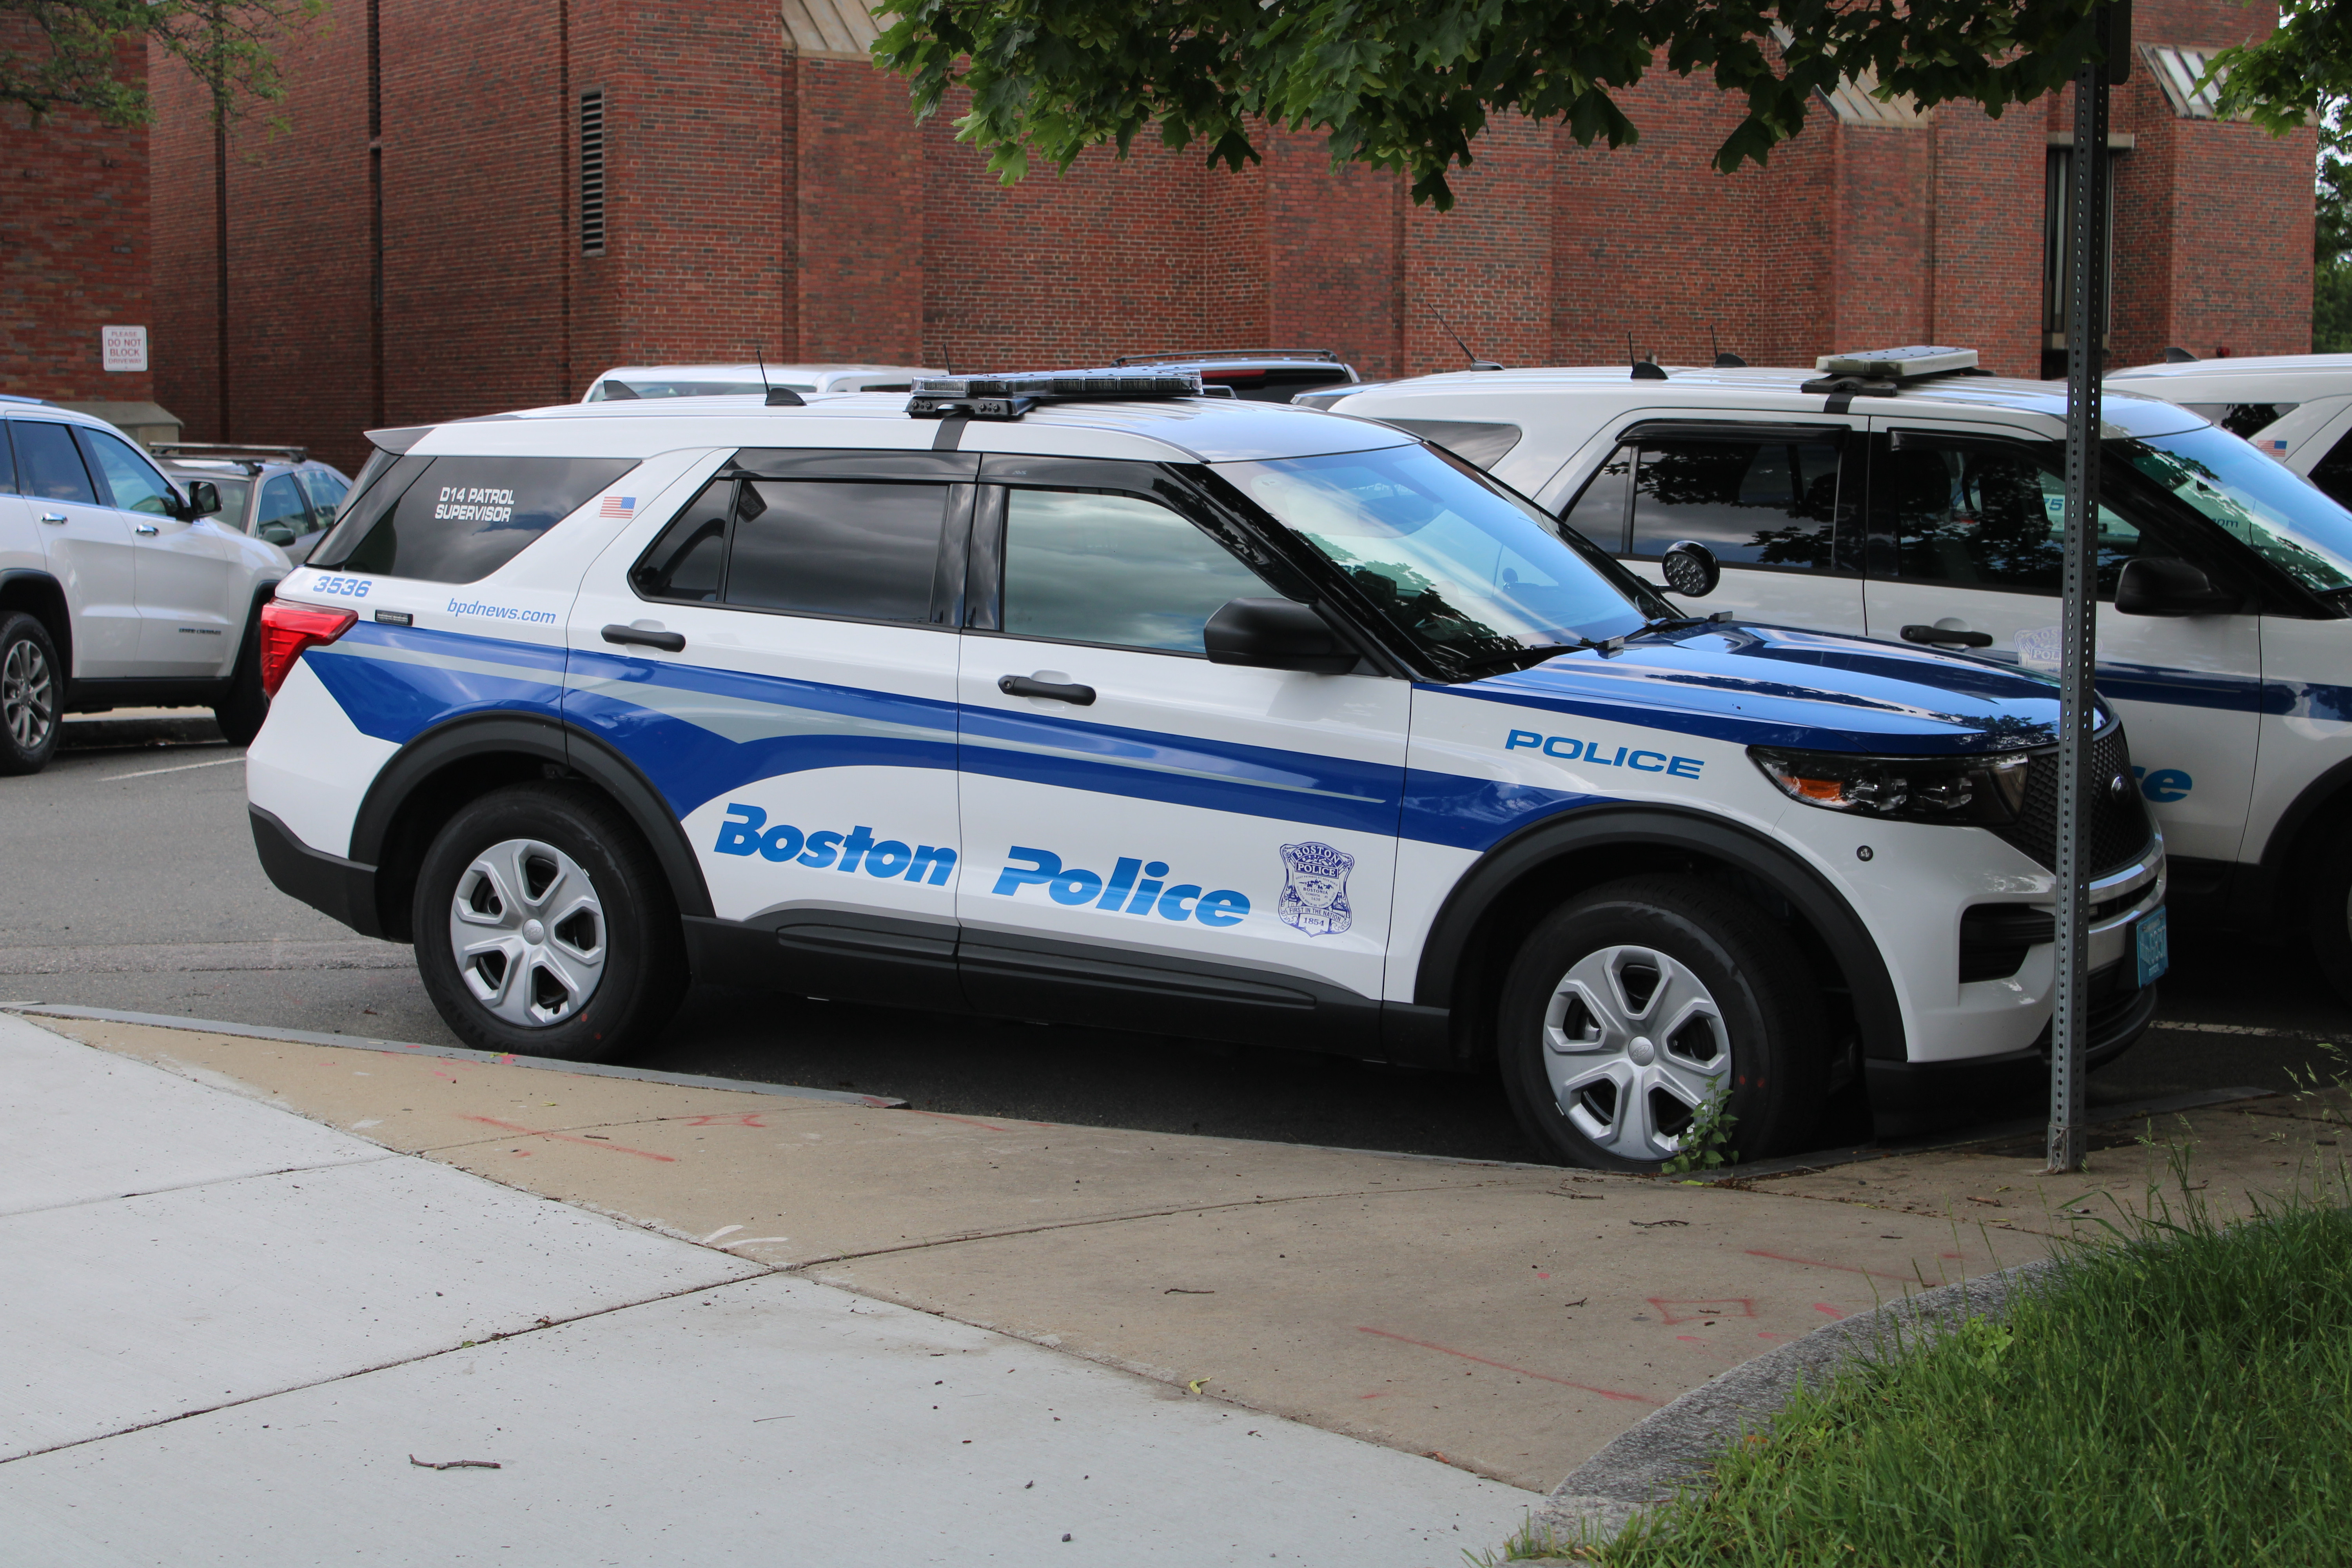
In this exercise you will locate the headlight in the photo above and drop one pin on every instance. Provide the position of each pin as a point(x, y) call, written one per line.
point(1984, 791)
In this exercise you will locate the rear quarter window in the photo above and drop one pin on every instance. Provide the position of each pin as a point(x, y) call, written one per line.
point(458, 520)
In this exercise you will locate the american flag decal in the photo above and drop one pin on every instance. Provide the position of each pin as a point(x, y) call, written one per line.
point(618, 506)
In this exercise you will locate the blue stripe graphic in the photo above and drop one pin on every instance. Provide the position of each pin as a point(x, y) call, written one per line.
point(395, 682)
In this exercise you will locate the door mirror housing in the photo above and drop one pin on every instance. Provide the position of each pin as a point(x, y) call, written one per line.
point(277, 533)
point(2153, 585)
point(1691, 569)
point(1276, 634)
point(203, 498)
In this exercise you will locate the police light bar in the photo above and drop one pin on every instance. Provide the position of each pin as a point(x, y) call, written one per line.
point(1899, 365)
point(1011, 396)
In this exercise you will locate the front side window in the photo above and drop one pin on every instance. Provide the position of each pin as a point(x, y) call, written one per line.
point(1115, 570)
point(858, 551)
point(281, 518)
point(135, 484)
point(1985, 515)
point(1467, 571)
point(1767, 502)
point(48, 464)
point(2287, 521)
point(327, 493)
point(458, 520)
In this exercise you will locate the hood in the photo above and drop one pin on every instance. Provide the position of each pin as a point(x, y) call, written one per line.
point(1771, 686)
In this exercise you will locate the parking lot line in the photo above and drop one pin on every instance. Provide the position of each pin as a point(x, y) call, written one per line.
point(181, 768)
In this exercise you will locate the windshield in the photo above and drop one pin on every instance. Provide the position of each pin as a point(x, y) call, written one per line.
point(612, 388)
point(2288, 522)
point(1466, 571)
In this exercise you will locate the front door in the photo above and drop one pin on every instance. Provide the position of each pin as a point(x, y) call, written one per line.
point(1967, 536)
point(1152, 840)
point(801, 719)
point(89, 548)
point(190, 575)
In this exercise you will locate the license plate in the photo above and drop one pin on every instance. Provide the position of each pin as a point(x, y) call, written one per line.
point(2151, 947)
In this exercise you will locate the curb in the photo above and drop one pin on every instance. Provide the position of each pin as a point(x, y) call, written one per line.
point(1673, 1448)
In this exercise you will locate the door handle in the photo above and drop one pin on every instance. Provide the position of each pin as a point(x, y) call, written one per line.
point(53, 517)
point(669, 642)
point(1937, 635)
point(1023, 686)
point(144, 528)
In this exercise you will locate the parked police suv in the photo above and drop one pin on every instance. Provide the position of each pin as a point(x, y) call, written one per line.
point(1079, 697)
point(1926, 503)
point(118, 588)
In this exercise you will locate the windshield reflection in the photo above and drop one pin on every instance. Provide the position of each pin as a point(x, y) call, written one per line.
point(2286, 520)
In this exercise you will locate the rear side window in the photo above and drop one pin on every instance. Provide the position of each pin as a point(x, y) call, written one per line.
point(458, 520)
point(48, 463)
point(834, 548)
point(1755, 503)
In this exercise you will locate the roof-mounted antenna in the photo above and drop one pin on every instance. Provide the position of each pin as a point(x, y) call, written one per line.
point(1475, 362)
point(778, 396)
point(1644, 370)
point(1723, 361)
point(2176, 354)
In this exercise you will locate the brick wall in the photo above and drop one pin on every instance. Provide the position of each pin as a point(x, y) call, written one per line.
point(763, 202)
point(74, 249)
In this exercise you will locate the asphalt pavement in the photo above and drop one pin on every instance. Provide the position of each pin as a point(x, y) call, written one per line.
point(138, 890)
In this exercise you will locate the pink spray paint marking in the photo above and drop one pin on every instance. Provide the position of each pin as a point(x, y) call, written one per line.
point(1505, 1366)
point(568, 1138)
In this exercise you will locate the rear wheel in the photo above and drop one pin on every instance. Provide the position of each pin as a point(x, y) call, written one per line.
point(543, 927)
point(31, 688)
point(1635, 1004)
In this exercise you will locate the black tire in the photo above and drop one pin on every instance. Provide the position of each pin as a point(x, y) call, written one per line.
point(639, 950)
point(1753, 1021)
point(32, 694)
point(2327, 912)
point(241, 715)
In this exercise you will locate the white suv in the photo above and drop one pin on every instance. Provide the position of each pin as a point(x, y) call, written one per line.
point(2296, 408)
point(117, 588)
point(1929, 509)
point(1083, 698)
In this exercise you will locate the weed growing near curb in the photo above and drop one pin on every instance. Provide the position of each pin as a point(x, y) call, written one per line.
point(1702, 1145)
point(2178, 1392)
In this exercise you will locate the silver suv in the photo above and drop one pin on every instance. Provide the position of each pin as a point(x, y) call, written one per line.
point(276, 494)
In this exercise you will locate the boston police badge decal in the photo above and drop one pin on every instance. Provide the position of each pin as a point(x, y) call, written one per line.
point(1315, 888)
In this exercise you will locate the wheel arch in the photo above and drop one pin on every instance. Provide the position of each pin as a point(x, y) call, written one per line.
point(1471, 942)
point(2294, 840)
point(42, 596)
point(437, 772)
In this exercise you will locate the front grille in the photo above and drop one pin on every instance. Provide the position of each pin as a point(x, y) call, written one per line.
point(2119, 830)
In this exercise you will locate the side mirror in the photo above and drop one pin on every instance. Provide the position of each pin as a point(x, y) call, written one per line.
point(2153, 585)
point(1276, 634)
point(1691, 569)
point(203, 498)
point(277, 533)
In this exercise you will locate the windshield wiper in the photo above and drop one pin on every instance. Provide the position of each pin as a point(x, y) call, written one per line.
point(1519, 658)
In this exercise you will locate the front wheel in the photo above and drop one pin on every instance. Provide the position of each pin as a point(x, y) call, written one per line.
point(1636, 1004)
point(545, 927)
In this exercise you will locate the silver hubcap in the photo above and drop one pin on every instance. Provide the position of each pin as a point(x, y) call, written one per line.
point(528, 932)
point(27, 704)
point(1634, 1045)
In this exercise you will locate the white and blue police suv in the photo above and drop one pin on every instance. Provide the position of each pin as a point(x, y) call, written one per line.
point(1083, 698)
point(1898, 495)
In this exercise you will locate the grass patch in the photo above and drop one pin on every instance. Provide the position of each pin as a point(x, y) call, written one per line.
point(2178, 1392)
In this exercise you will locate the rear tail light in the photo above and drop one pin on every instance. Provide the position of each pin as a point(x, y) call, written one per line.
point(288, 630)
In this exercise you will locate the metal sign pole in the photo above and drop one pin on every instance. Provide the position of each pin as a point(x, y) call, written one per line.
point(2086, 322)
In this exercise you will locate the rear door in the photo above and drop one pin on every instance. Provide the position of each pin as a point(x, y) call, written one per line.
point(1777, 502)
point(1966, 530)
point(89, 548)
point(1151, 837)
point(190, 575)
point(779, 661)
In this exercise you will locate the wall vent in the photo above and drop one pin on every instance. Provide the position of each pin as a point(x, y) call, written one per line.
point(592, 173)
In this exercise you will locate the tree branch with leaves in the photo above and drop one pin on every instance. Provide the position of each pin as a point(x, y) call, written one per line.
point(1408, 85)
point(69, 54)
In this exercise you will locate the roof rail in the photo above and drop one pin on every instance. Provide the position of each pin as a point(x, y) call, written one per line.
point(20, 397)
point(1325, 356)
point(223, 449)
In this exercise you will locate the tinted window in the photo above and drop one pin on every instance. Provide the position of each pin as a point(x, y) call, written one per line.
point(1113, 569)
point(327, 492)
point(866, 551)
point(688, 561)
point(1754, 503)
point(1599, 513)
point(281, 518)
point(1985, 516)
point(2333, 473)
point(48, 464)
point(2242, 418)
point(461, 519)
point(133, 480)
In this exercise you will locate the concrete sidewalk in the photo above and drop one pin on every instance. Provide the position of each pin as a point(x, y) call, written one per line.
point(232, 1329)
